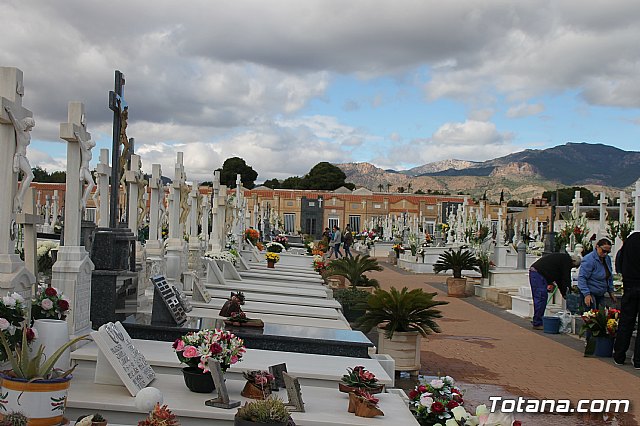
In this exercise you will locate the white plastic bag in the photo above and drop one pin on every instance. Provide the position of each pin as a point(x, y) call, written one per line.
point(565, 322)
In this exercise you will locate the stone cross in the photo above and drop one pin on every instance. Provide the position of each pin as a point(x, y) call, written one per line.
point(622, 216)
point(636, 197)
point(155, 227)
point(55, 206)
point(133, 176)
point(103, 171)
point(29, 218)
point(214, 238)
point(175, 230)
point(118, 105)
point(74, 131)
point(38, 204)
point(205, 220)
point(193, 213)
point(499, 239)
point(575, 212)
point(603, 214)
point(11, 92)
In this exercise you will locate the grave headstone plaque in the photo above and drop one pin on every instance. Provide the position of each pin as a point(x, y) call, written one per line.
point(222, 400)
point(295, 403)
point(167, 309)
point(200, 292)
point(119, 362)
point(277, 371)
point(182, 298)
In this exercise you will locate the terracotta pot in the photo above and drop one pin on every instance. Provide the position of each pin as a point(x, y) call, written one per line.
point(353, 402)
point(366, 409)
point(251, 390)
point(349, 389)
point(41, 401)
point(271, 264)
point(456, 287)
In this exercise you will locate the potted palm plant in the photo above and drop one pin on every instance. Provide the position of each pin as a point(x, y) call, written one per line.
point(458, 261)
point(354, 269)
point(33, 385)
point(402, 318)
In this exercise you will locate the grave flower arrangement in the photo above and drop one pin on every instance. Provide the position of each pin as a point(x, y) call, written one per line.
point(281, 239)
point(258, 384)
point(273, 257)
point(359, 378)
point(196, 348)
point(50, 303)
point(363, 404)
point(223, 255)
point(12, 316)
point(601, 322)
point(398, 249)
point(45, 261)
point(319, 265)
point(433, 401)
point(274, 247)
point(252, 235)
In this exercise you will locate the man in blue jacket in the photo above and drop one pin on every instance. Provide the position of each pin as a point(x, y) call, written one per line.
point(596, 277)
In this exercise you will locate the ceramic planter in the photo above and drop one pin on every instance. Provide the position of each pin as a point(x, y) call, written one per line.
point(404, 348)
point(41, 401)
point(197, 381)
point(253, 391)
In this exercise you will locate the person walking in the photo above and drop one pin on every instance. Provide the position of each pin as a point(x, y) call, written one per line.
point(628, 264)
point(347, 241)
point(596, 278)
point(551, 270)
point(336, 240)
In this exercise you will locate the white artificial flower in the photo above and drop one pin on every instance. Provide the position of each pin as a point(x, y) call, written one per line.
point(451, 422)
point(9, 301)
point(46, 304)
point(426, 401)
point(450, 380)
point(18, 297)
point(459, 413)
point(437, 384)
point(4, 324)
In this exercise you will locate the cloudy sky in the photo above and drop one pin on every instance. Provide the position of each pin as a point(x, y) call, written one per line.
point(286, 84)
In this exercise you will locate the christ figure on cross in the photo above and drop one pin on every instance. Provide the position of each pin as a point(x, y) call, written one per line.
point(85, 173)
point(20, 161)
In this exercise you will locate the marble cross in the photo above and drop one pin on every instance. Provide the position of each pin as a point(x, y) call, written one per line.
point(622, 216)
point(74, 131)
point(576, 204)
point(133, 177)
point(157, 197)
point(11, 92)
point(603, 213)
point(175, 229)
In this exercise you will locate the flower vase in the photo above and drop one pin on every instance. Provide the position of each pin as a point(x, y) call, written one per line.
point(366, 409)
point(42, 401)
point(52, 334)
point(353, 402)
point(198, 381)
point(604, 346)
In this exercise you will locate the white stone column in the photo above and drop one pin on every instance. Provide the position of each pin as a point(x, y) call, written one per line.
point(72, 270)
point(636, 199)
point(103, 171)
point(14, 276)
point(155, 246)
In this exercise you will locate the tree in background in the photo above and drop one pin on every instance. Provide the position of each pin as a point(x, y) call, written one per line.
point(565, 196)
point(325, 176)
point(234, 166)
point(272, 183)
point(41, 175)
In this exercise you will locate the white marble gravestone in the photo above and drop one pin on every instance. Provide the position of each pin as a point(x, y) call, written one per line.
point(215, 241)
point(72, 270)
point(636, 200)
point(14, 276)
point(155, 247)
point(176, 247)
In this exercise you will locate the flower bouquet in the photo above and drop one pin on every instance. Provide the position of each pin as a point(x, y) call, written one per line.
point(359, 378)
point(258, 384)
point(223, 255)
point(274, 247)
point(363, 404)
point(50, 303)
point(195, 348)
point(12, 315)
point(319, 265)
point(398, 249)
point(281, 239)
point(599, 323)
point(272, 257)
point(252, 235)
point(432, 402)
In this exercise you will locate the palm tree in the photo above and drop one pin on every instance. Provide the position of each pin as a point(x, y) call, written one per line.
point(354, 269)
point(401, 311)
point(457, 261)
point(388, 186)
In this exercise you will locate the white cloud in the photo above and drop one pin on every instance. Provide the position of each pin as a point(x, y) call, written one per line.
point(524, 110)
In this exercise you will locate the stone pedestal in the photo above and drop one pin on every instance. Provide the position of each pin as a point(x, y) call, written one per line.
point(175, 259)
point(500, 256)
point(14, 276)
point(72, 275)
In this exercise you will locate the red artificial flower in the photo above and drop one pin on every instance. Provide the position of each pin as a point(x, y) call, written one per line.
point(437, 407)
point(413, 394)
point(215, 348)
point(50, 291)
point(175, 344)
point(457, 398)
point(452, 404)
point(63, 305)
point(30, 334)
point(422, 388)
point(517, 423)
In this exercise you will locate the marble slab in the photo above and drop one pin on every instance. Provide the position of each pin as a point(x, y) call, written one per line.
point(324, 406)
point(275, 275)
point(311, 369)
point(339, 323)
point(319, 292)
point(279, 298)
point(254, 307)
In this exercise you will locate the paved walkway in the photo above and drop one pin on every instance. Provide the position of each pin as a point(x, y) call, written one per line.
point(482, 345)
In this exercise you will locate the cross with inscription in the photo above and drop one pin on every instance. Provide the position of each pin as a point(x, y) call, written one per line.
point(118, 105)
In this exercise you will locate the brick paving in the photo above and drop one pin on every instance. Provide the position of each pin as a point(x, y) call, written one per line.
point(484, 346)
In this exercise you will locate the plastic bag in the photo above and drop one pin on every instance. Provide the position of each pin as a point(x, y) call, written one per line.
point(565, 322)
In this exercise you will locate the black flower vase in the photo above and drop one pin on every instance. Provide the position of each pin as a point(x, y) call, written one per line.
point(197, 381)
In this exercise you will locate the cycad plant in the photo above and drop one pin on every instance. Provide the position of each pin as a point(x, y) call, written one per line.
point(354, 269)
point(401, 311)
point(456, 260)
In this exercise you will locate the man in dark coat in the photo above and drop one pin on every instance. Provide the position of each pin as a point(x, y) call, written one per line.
point(545, 273)
point(628, 264)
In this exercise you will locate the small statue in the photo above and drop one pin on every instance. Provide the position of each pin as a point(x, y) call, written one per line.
point(233, 305)
point(20, 161)
point(85, 173)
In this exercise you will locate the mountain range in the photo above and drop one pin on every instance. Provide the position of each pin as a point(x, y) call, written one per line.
point(520, 175)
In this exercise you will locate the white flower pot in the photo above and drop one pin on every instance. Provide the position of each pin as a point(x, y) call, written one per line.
point(52, 334)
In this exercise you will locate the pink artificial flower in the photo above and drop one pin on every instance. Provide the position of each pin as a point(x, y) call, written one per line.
point(4, 324)
point(190, 352)
point(234, 359)
point(46, 304)
point(179, 345)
